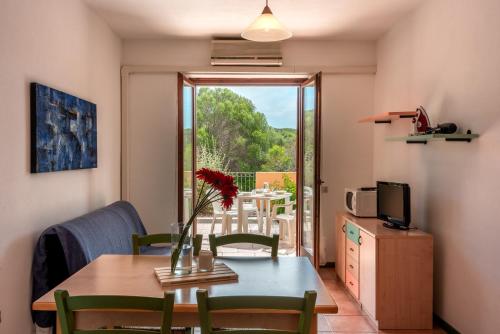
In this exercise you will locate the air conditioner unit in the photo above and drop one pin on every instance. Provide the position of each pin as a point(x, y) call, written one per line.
point(245, 53)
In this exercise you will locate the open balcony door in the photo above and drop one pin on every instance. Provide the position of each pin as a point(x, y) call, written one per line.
point(309, 161)
point(186, 148)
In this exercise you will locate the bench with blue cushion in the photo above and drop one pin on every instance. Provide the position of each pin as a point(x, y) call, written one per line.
point(65, 248)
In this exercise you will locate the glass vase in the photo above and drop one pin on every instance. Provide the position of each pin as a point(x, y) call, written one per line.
point(185, 261)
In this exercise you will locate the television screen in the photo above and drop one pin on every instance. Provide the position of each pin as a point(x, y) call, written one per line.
point(393, 203)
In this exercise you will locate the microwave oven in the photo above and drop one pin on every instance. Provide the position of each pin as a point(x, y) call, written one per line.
point(361, 202)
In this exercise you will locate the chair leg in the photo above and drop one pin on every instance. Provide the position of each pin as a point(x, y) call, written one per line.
point(259, 220)
point(282, 227)
point(291, 231)
point(213, 224)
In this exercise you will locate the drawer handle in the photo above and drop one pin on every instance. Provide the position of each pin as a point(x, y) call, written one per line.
point(351, 249)
point(351, 232)
point(343, 228)
point(351, 283)
point(350, 266)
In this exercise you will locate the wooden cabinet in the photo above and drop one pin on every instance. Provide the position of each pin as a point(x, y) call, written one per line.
point(340, 254)
point(389, 272)
point(367, 273)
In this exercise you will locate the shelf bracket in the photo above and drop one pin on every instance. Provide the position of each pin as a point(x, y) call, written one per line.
point(458, 139)
point(383, 122)
point(424, 142)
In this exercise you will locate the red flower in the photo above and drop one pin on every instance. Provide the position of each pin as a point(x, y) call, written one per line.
point(227, 203)
point(221, 182)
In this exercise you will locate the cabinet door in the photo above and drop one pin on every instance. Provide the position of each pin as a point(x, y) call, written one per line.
point(367, 273)
point(340, 255)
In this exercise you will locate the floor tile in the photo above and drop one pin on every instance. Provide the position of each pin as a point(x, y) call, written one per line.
point(327, 273)
point(350, 323)
point(323, 325)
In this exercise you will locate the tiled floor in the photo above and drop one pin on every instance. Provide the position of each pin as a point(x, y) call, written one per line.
point(350, 318)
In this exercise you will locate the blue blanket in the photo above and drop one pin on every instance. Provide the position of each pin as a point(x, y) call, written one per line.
point(65, 248)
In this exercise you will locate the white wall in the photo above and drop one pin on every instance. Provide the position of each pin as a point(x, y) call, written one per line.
point(62, 44)
point(445, 57)
point(152, 149)
point(347, 152)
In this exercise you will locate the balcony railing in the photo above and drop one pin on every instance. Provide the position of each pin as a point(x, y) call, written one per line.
point(244, 180)
point(248, 181)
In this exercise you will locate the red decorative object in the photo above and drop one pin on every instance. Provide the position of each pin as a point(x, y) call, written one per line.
point(221, 189)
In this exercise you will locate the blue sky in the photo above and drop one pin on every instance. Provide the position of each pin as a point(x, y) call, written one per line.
point(278, 103)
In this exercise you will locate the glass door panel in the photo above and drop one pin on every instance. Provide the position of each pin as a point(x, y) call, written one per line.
point(308, 187)
point(185, 148)
point(188, 151)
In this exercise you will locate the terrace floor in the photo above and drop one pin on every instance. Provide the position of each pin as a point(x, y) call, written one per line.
point(203, 227)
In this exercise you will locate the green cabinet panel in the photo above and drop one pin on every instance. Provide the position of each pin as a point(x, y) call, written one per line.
point(353, 233)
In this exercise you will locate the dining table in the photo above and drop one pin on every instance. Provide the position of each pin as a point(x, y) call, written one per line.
point(265, 199)
point(133, 275)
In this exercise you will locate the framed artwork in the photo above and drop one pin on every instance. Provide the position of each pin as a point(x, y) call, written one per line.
point(63, 131)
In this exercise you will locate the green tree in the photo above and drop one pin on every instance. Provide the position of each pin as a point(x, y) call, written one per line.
point(278, 160)
point(231, 123)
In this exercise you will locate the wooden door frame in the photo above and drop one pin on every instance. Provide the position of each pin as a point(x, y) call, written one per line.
point(299, 83)
point(317, 170)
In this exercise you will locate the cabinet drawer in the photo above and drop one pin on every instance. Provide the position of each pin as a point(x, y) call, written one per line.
point(352, 284)
point(352, 266)
point(352, 249)
point(352, 233)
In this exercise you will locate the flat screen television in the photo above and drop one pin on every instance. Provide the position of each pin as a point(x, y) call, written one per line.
point(393, 204)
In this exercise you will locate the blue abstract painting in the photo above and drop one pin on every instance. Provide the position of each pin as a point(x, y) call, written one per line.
point(63, 131)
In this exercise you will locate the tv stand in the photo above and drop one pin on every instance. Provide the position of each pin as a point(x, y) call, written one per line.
point(395, 226)
point(387, 270)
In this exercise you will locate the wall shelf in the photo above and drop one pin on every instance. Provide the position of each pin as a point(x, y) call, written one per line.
point(423, 139)
point(388, 117)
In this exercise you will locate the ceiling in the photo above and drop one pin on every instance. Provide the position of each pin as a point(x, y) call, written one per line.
point(200, 19)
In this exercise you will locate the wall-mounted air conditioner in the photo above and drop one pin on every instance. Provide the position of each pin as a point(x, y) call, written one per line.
point(245, 53)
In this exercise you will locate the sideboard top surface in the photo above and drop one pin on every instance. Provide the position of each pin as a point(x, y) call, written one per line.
point(375, 228)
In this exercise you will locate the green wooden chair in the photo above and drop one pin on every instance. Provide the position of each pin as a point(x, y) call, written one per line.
point(67, 306)
point(272, 242)
point(149, 239)
point(208, 304)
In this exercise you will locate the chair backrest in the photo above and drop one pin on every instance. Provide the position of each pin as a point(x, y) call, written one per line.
point(272, 242)
point(67, 306)
point(149, 239)
point(305, 306)
point(217, 208)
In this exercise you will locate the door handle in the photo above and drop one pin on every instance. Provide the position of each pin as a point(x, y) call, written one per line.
point(343, 228)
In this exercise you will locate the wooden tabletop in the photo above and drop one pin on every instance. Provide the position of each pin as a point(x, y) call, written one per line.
point(134, 275)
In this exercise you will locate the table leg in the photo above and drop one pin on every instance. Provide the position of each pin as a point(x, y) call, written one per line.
point(268, 217)
point(261, 215)
point(245, 222)
point(58, 325)
point(240, 215)
point(314, 324)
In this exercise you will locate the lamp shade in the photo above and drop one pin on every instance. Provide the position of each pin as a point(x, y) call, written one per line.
point(266, 28)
